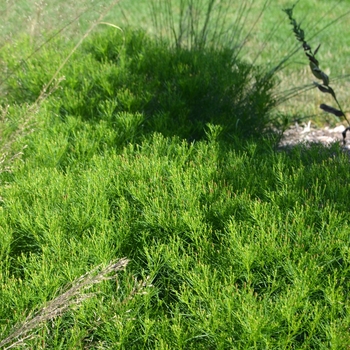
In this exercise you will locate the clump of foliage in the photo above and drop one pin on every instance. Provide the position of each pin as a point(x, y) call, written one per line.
point(176, 91)
point(229, 245)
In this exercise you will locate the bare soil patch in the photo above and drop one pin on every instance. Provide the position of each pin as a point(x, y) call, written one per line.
point(306, 133)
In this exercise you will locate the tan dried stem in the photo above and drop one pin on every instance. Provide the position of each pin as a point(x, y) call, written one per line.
point(74, 295)
point(92, 27)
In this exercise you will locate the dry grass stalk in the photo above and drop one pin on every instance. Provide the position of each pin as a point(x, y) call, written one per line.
point(74, 295)
point(7, 154)
point(324, 87)
point(92, 27)
point(6, 158)
point(138, 287)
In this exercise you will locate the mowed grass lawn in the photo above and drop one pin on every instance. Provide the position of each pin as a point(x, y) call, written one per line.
point(163, 156)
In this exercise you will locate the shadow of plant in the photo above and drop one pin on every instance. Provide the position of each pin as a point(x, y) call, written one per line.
point(175, 91)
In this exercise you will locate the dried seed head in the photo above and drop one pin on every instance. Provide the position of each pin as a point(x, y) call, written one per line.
point(332, 110)
point(312, 59)
point(325, 78)
point(316, 71)
point(325, 89)
point(317, 48)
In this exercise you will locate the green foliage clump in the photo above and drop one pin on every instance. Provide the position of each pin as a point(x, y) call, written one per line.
point(173, 91)
point(232, 245)
point(244, 247)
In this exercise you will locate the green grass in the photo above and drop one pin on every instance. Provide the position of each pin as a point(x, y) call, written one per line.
point(269, 42)
point(138, 86)
point(151, 153)
point(245, 247)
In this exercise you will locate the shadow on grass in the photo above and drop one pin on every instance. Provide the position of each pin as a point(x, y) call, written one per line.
point(140, 86)
point(228, 228)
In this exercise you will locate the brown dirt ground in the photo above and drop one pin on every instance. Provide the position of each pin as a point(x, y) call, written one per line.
point(306, 133)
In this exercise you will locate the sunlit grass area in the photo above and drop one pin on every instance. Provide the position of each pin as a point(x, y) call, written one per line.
point(158, 144)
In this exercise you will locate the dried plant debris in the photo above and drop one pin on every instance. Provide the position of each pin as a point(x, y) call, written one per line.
point(74, 294)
